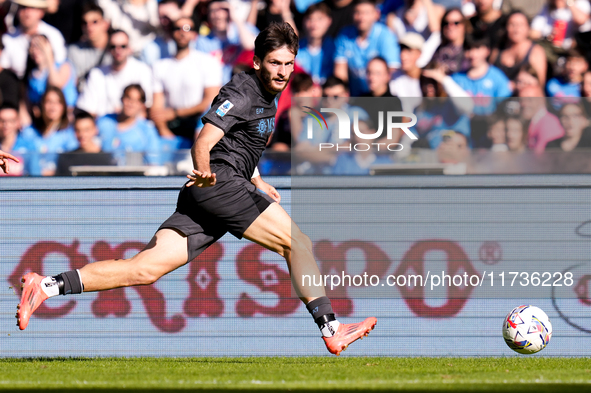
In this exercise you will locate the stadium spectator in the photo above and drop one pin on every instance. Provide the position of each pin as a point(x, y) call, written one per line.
point(341, 12)
point(557, 24)
point(422, 17)
point(128, 131)
point(570, 83)
point(274, 11)
point(454, 148)
point(337, 96)
point(92, 49)
point(290, 122)
point(16, 44)
point(482, 79)
point(89, 150)
point(138, 18)
point(10, 90)
point(518, 50)
point(516, 134)
point(11, 141)
point(405, 81)
point(228, 38)
point(497, 134)
point(577, 133)
point(527, 76)
point(543, 125)
point(316, 53)
point(450, 54)
point(104, 89)
point(50, 133)
point(358, 162)
point(163, 45)
point(436, 116)
point(586, 85)
point(489, 21)
point(42, 71)
point(65, 16)
point(531, 8)
point(184, 87)
point(358, 44)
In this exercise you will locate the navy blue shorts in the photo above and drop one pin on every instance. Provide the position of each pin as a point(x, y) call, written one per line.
point(205, 214)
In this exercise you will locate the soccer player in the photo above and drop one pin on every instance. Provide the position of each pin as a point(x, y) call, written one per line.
point(4, 157)
point(221, 196)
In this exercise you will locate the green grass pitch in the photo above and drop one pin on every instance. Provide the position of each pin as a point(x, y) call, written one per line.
point(512, 374)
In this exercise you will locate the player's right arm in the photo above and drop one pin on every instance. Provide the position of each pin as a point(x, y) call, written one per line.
point(208, 137)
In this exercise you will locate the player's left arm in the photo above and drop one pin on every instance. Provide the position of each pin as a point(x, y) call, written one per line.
point(262, 185)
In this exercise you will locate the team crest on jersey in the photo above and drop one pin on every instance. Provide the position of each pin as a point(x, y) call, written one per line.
point(266, 126)
point(224, 108)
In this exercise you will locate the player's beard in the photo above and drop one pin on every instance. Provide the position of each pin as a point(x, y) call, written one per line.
point(268, 79)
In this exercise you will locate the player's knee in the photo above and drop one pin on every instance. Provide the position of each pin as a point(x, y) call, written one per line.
point(300, 242)
point(142, 273)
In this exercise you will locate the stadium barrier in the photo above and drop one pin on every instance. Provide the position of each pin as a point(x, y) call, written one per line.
point(235, 299)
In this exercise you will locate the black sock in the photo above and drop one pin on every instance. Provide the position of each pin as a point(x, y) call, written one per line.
point(321, 311)
point(69, 283)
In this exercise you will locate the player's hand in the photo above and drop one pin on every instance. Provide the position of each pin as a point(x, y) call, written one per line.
point(201, 179)
point(269, 190)
point(4, 157)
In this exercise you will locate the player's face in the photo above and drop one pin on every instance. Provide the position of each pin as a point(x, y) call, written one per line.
point(9, 123)
point(276, 69)
point(52, 107)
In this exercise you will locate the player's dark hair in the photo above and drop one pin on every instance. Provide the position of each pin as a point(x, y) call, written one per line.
point(476, 40)
point(139, 88)
point(275, 36)
point(82, 115)
point(301, 82)
point(318, 7)
point(333, 81)
point(91, 6)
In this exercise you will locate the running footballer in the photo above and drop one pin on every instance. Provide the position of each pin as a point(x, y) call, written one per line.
point(222, 195)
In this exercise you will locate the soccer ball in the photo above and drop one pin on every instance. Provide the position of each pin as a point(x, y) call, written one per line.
point(527, 329)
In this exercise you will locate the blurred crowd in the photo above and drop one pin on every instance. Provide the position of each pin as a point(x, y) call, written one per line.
point(94, 82)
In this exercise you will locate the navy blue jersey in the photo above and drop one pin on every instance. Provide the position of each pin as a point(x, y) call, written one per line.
point(245, 111)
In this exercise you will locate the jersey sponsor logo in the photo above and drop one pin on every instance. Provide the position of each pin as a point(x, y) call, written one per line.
point(260, 110)
point(266, 126)
point(224, 108)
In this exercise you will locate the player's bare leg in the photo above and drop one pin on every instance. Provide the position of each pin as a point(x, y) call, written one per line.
point(275, 230)
point(166, 252)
